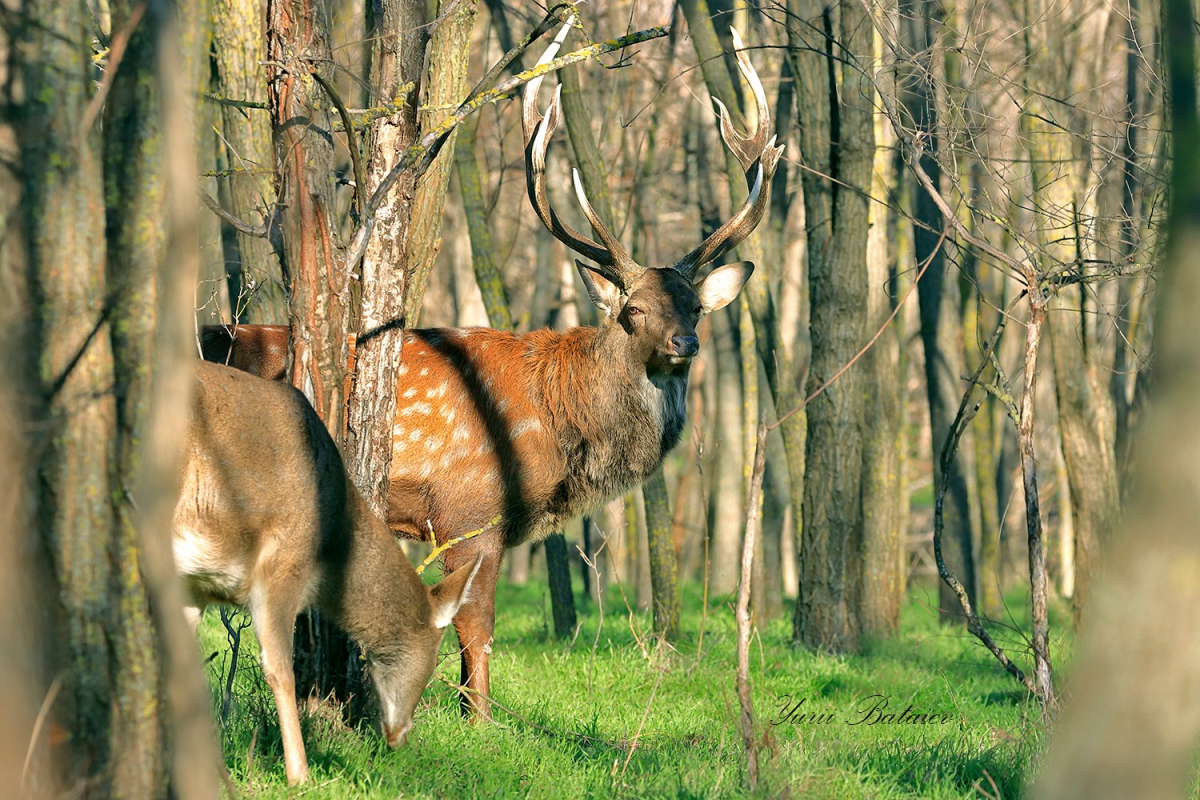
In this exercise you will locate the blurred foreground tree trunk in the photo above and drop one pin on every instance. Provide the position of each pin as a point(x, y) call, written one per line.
point(1130, 727)
point(106, 236)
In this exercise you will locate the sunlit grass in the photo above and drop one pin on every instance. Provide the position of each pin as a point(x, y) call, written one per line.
point(616, 715)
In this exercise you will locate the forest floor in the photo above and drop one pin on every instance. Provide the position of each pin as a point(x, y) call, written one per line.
point(611, 714)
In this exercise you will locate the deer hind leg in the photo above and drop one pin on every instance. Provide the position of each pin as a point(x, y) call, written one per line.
point(476, 622)
point(273, 611)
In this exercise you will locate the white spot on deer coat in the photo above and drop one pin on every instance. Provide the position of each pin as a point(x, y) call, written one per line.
point(416, 435)
point(403, 370)
point(410, 392)
point(416, 408)
point(424, 371)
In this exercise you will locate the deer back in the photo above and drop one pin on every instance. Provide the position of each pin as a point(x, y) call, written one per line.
point(260, 474)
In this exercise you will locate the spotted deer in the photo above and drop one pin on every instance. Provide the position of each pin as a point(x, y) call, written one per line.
point(537, 428)
point(267, 519)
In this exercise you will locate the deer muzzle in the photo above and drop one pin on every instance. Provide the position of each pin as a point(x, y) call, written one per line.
point(685, 346)
point(396, 734)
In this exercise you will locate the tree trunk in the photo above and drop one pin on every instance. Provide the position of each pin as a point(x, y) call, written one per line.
point(398, 58)
point(837, 142)
point(444, 88)
point(326, 662)
point(726, 518)
point(1060, 195)
point(775, 352)
point(1040, 642)
point(883, 433)
point(108, 316)
point(256, 285)
point(938, 300)
point(562, 599)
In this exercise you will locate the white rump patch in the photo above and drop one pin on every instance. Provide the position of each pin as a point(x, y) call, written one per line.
point(195, 557)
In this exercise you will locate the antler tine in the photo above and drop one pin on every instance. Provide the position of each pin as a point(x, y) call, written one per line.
point(621, 259)
point(746, 148)
point(759, 158)
point(610, 255)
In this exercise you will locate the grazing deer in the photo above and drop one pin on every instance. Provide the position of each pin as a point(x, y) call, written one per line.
point(267, 519)
point(540, 427)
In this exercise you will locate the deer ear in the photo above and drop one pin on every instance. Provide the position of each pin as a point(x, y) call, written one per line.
point(604, 293)
point(723, 284)
point(449, 595)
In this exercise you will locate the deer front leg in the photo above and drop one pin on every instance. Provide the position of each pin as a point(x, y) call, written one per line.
point(274, 618)
point(476, 622)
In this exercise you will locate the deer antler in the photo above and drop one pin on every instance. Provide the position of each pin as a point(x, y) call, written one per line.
point(614, 261)
point(758, 156)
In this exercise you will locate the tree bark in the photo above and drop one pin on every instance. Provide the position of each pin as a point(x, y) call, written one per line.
point(107, 314)
point(562, 599)
point(1117, 736)
point(938, 301)
point(326, 662)
point(397, 60)
point(837, 142)
point(445, 88)
point(257, 292)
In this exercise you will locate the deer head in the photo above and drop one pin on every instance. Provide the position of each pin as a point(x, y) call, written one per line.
point(401, 667)
point(657, 307)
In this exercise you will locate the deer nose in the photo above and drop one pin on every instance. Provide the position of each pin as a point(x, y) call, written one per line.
point(396, 735)
point(686, 346)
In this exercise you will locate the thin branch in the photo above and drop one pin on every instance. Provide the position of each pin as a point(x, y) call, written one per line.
point(115, 54)
point(441, 548)
point(259, 231)
point(360, 175)
point(742, 611)
point(421, 153)
point(229, 101)
point(929, 260)
point(966, 413)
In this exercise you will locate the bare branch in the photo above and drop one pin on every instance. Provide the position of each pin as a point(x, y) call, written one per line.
point(422, 153)
point(360, 176)
point(241, 227)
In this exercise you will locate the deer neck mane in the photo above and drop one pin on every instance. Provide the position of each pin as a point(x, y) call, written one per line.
point(595, 385)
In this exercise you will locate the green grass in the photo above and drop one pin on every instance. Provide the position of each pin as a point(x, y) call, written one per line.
point(624, 718)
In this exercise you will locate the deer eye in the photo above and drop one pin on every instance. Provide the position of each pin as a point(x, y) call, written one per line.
point(634, 311)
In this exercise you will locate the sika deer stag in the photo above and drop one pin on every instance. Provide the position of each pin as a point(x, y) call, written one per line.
point(541, 427)
point(267, 519)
